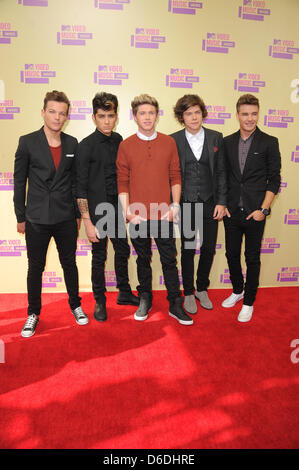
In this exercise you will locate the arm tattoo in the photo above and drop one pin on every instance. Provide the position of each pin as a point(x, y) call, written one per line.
point(83, 205)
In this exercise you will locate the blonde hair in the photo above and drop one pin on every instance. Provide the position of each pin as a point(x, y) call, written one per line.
point(143, 99)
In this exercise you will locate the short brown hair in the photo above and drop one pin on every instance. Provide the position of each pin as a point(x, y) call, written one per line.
point(247, 99)
point(143, 99)
point(56, 96)
point(185, 102)
point(104, 101)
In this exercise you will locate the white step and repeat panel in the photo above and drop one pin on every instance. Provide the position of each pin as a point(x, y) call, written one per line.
point(217, 49)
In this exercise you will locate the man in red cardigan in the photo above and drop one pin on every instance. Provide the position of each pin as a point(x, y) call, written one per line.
point(148, 171)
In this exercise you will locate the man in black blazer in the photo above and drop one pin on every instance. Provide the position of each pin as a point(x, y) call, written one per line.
point(203, 193)
point(253, 167)
point(97, 185)
point(45, 160)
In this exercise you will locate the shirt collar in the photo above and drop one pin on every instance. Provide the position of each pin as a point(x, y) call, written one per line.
point(197, 136)
point(144, 137)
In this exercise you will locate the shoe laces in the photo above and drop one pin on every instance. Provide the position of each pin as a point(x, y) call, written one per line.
point(31, 322)
point(78, 312)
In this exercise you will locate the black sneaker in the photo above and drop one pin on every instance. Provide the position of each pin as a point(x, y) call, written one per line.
point(145, 306)
point(176, 311)
point(30, 325)
point(80, 316)
point(100, 312)
point(127, 298)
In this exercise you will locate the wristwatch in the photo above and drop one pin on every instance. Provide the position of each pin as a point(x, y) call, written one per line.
point(265, 211)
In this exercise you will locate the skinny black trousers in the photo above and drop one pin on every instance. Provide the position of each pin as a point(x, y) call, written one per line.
point(235, 228)
point(38, 237)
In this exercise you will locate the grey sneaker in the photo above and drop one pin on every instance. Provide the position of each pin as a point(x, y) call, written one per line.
point(204, 299)
point(190, 304)
point(30, 325)
point(80, 316)
point(145, 306)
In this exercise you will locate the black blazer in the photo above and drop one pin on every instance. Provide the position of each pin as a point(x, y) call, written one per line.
point(261, 172)
point(216, 159)
point(51, 194)
point(90, 163)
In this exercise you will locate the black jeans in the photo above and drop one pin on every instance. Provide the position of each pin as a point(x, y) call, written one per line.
point(235, 227)
point(121, 256)
point(38, 237)
point(207, 249)
point(162, 232)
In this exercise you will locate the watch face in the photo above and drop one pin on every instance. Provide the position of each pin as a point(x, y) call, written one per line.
point(266, 211)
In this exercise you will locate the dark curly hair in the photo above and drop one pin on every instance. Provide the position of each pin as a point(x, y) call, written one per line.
point(185, 102)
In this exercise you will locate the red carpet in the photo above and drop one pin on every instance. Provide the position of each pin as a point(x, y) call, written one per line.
point(154, 384)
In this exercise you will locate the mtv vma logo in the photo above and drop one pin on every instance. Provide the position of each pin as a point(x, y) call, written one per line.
point(8, 110)
point(253, 10)
point(79, 110)
point(278, 118)
point(6, 33)
point(73, 35)
point(6, 181)
point(283, 49)
point(83, 247)
point(147, 38)
point(110, 75)
point(283, 185)
point(249, 83)
point(50, 279)
point(37, 73)
point(33, 3)
point(181, 78)
point(218, 42)
point(225, 279)
point(111, 4)
point(292, 218)
point(184, 7)
point(288, 274)
point(216, 114)
point(110, 278)
point(269, 245)
point(11, 248)
point(295, 155)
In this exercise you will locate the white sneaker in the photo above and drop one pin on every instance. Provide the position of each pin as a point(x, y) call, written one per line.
point(245, 313)
point(232, 300)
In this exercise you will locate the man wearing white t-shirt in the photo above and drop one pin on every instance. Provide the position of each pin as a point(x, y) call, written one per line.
point(204, 192)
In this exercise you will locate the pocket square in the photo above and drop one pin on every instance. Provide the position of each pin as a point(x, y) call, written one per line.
point(69, 155)
point(255, 153)
point(215, 149)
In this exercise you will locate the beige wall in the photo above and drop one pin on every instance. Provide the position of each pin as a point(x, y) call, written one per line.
point(32, 40)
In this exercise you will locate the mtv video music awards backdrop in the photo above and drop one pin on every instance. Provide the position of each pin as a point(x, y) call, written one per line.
point(217, 49)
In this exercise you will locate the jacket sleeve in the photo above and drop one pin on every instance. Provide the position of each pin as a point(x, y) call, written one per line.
point(21, 168)
point(82, 169)
point(74, 183)
point(273, 166)
point(221, 173)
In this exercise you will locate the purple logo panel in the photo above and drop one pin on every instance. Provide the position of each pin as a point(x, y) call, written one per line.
point(283, 49)
point(217, 115)
point(36, 73)
point(6, 33)
point(83, 247)
point(110, 75)
point(278, 118)
point(218, 42)
point(181, 78)
point(79, 110)
point(73, 35)
point(295, 155)
point(147, 38)
point(11, 248)
point(269, 245)
point(184, 7)
point(50, 279)
point(6, 181)
point(111, 4)
point(288, 274)
point(292, 217)
point(253, 10)
point(249, 82)
point(33, 3)
point(8, 110)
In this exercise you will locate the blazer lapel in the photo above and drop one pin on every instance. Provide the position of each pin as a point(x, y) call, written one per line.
point(63, 158)
point(235, 155)
point(210, 144)
point(45, 150)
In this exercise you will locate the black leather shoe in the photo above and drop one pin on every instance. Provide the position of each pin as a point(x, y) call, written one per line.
point(176, 311)
point(144, 307)
point(100, 312)
point(127, 298)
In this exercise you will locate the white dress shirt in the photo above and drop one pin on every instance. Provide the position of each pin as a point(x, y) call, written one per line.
point(196, 142)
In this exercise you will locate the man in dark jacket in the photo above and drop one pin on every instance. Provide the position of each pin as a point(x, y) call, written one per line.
point(96, 192)
point(45, 160)
point(203, 199)
point(253, 169)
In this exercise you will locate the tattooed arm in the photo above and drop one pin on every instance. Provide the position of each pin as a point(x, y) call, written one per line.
point(90, 229)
